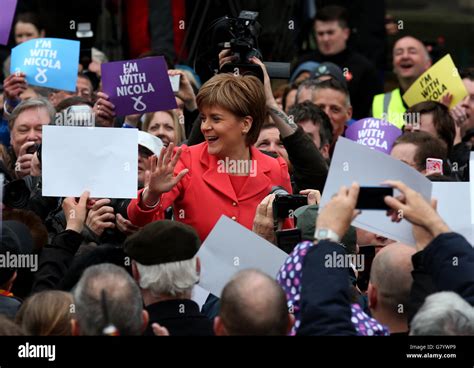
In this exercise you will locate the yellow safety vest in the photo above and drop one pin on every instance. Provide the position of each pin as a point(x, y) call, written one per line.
point(389, 107)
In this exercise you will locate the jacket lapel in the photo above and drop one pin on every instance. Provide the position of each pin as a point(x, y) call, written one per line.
point(219, 181)
point(257, 182)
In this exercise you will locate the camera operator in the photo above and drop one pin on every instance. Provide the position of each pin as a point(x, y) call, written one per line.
point(22, 188)
point(26, 122)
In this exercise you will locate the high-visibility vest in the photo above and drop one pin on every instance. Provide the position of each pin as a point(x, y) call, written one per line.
point(389, 107)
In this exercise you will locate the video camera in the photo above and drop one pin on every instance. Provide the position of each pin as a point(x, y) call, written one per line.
point(240, 35)
point(244, 45)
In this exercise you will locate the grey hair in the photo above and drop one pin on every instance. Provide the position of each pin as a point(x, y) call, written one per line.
point(444, 314)
point(307, 84)
point(334, 85)
point(123, 301)
point(32, 103)
point(171, 279)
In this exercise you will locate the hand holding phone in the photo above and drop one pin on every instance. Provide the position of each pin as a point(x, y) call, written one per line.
point(284, 206)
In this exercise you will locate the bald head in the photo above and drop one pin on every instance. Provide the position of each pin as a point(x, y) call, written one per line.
point(409, 41)
point(252, 303)
point(410, 60)
point(391, 276)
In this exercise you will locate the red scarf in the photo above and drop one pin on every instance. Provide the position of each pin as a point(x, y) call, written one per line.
point(5, 293)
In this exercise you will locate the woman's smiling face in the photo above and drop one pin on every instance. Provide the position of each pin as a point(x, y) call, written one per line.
point(162, 126)
point(224, 132)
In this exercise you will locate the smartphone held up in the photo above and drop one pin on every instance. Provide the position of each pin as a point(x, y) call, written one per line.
point(373, 198)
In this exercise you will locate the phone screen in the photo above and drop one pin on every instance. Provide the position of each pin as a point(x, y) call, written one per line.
point(372, 198)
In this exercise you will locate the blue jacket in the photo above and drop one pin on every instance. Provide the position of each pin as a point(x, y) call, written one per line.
point(9, 306)
point(325, 294)
point(4, 133)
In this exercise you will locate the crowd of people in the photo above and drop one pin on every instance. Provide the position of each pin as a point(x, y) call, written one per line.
point(128, 267)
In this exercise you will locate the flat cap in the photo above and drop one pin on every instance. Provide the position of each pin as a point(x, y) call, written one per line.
point(162, 242)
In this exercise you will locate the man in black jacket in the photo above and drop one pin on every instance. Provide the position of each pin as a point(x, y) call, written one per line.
point(56, 258)
point(445, 260)
point(332, 34)
point(16, 245)
point(166, 268)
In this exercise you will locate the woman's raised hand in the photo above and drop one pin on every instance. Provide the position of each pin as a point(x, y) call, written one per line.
point(161, 178)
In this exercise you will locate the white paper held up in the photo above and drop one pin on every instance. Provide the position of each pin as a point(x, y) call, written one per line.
point(231, 248)
point(352, 162)
point(103, 161)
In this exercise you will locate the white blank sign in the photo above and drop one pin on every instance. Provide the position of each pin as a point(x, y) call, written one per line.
point(103, 161)
point(353, 162)
point(231, 248)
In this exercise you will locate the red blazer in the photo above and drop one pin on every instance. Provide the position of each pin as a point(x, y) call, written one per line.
point(205, 194)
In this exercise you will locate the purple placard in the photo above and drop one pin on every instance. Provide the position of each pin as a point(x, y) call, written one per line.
point(138, 86)
point(377, 134)
point(7, 13)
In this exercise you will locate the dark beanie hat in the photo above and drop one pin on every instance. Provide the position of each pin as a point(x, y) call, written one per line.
point(332, 70)
point(162, 242)
point(15, 239)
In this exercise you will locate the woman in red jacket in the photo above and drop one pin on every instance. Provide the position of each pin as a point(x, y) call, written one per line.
point(225, 175)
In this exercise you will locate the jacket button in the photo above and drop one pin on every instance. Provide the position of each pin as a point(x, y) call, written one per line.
point(234, 218)
point(234, 204)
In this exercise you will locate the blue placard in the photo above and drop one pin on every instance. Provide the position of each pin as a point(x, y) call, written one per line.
point(48, 62)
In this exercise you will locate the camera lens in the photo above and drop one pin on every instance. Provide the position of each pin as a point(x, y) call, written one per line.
point(16, 194)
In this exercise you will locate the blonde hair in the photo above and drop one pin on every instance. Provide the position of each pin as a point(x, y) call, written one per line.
point(178, 128)
point(47, 314)
point(241, 95)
